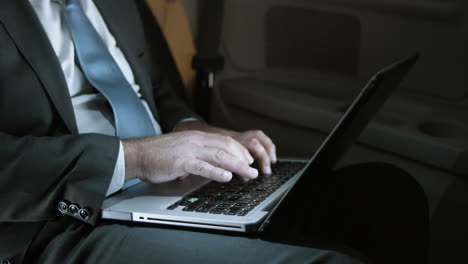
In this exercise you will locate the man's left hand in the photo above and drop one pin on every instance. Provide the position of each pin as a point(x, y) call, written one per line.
point(256, 142)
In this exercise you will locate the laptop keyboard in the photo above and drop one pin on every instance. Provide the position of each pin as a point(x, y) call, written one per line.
point(237, 197)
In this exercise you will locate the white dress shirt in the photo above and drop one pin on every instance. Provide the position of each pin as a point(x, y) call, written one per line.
point(91, 112)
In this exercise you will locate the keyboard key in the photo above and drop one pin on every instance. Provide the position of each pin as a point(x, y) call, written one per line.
point(194, 205)
point(184, 202)
point(233, 198)
point(249, 207)
point(233, 210)
point(205, 208)
point(224, 205)
point(255, 202)
point(243, 213)
point(217, 210)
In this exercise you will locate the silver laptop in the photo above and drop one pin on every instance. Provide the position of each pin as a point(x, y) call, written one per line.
point(249, 207)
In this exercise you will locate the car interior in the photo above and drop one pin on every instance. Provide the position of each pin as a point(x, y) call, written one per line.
point(292, 67)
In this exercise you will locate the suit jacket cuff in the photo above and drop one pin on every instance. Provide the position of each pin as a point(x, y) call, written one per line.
point(118, 177)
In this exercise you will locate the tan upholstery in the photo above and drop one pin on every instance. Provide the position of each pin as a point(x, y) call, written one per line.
point(172, 16)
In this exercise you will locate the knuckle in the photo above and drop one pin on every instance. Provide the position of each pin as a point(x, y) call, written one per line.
point(230, 140)
point(231, 144)
point(187, 165)
point(262, 150)
point(200, 166)
point(254, 142)
point(258, 133)
point(237, 163)
point(220, 155)
point(189, 145)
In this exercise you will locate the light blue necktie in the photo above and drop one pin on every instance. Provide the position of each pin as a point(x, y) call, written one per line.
point(131, 118)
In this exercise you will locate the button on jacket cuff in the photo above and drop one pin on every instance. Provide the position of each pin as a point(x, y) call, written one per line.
point(74, 209)
point(63, 207)
point(84, 214)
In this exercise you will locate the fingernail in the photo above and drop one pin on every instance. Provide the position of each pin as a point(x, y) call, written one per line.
point(253, 172)
point(227, 175)
point(251, 160)
point(273, 158)
point(267, 170)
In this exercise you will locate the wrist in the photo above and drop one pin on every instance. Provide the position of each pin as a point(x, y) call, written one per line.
point(132, 160)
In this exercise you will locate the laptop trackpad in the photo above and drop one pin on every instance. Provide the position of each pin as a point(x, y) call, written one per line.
point(163, 192)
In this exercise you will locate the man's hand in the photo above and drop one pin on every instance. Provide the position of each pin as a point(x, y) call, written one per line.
point(261, 147)
point(168, 157)
point(256, 142)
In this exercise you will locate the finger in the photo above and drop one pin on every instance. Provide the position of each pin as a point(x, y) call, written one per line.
point(244, 180)
point(230, 146)
point(205, 169)
point(261, 154)
point(267, 144)
point(224, 160)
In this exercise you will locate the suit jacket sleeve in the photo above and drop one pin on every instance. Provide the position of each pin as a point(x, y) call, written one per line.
point(38, 172)
point(169, 89)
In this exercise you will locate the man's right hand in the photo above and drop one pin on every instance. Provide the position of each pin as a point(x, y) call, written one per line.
point(164, 158)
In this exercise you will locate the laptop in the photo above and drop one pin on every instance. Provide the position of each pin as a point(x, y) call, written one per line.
point(251, 207)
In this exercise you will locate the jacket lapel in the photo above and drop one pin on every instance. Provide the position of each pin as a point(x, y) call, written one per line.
point(122, 32)
point(26, 31)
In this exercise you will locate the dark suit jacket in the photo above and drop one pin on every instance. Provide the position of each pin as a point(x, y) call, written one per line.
point(43, 160)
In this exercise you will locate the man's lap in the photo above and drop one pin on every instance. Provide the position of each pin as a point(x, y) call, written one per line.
point(358, 208)
point(120, 243)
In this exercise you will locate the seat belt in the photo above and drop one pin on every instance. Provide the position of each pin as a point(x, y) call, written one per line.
point(207, 61)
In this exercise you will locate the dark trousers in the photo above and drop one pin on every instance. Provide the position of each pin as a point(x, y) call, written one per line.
point(374, 213)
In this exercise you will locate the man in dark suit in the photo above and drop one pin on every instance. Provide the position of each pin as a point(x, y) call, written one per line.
point(60, 155)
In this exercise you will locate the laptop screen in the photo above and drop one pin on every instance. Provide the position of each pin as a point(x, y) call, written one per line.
point(352, 123)
point(366, 105)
